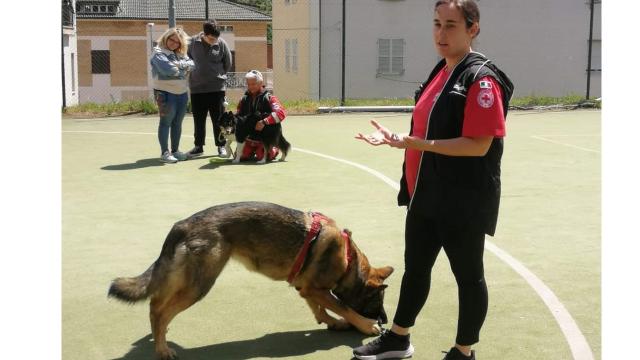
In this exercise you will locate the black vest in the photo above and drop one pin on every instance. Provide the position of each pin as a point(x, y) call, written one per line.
point(260, 105)
point(458, 187)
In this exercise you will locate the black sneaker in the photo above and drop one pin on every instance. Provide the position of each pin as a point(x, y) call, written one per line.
point(455, 354)
point(388, 345)
point(195, 152)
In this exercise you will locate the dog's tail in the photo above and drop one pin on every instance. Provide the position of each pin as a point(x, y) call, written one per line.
point(132, 289)
point(283, 145)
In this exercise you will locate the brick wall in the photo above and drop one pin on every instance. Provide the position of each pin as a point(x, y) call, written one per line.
point(129, 57)
point(84, 63)
point(128, 62)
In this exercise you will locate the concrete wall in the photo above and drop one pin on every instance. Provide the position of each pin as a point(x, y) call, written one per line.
point(70, 61)
point(70, 53)
point(366, 22)
point(292, 21)
point(542, 45)
point(331, 49)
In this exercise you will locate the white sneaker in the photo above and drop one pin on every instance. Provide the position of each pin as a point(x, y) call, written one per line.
point(168, 158)
point(180, 156)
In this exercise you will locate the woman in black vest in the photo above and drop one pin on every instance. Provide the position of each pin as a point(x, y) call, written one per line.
point(451, 179)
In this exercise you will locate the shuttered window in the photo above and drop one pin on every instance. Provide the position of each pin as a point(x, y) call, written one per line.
point(390, 56)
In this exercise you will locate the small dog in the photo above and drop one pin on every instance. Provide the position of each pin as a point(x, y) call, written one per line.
point(238, 128)
point(269, 239)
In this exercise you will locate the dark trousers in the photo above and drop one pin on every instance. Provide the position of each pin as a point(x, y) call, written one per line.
point(201, 104)
point(464, 245)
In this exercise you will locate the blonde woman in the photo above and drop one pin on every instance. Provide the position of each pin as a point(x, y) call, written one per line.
point(170, 67)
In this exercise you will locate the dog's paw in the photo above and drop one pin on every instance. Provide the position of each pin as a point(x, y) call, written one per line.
point(167, 354)
point(263, 161)
point(339, 325)
point(235, 161)
point(370, 327)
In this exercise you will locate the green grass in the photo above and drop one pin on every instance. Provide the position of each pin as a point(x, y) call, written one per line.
point(112, 108)
point(299, 107)
point(533, 100)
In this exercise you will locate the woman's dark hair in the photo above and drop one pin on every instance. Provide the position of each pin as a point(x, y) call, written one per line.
point(210, 28)
point(469, 10)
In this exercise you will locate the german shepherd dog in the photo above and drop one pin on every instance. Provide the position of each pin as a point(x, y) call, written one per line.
point(238, 128)
point(267, 239)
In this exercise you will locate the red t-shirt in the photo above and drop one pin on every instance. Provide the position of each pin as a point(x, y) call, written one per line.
point(483, 116)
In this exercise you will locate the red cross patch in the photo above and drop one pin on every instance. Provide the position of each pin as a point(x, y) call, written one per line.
point(485, 98)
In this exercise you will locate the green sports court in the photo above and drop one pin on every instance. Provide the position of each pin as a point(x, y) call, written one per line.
point(119, 201)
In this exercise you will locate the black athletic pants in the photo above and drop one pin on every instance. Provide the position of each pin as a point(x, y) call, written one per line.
point(464, 245)
point(201, 104)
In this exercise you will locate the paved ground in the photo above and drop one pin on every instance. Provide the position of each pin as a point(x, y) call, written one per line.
point(119, 201)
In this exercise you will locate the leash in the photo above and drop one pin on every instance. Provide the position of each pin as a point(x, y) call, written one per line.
point(312, 236)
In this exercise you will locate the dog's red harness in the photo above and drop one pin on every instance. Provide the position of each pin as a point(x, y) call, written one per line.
point(312, 235)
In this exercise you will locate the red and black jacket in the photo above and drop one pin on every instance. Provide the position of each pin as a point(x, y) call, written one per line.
point(460, 187)
point(264, 103)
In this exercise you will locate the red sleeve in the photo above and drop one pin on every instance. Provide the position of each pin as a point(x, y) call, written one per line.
point(483, 111)
point(277, 111)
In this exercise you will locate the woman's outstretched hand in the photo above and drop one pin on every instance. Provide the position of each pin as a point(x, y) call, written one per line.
point(381, 136)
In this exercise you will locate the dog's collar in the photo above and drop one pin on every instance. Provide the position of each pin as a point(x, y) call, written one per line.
point(347, 249)
point(312, 235)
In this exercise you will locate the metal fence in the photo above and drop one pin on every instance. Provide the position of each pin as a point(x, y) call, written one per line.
point(328, 49)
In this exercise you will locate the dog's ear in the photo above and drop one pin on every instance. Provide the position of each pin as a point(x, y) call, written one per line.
point(385, 272)
point(373, 282)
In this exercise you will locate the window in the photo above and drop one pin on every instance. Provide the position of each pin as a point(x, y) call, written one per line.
point(287, 55)
point(291, 55)
point(226, 28)
point(294, 55)
point(97, 9)
point(289, 2)
point(390, 56)
point(67, 14)
point(100, 62)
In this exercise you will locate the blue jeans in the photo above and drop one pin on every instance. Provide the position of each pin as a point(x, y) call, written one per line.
point(172, 108)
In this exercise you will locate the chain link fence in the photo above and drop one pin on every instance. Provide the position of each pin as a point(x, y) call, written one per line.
point(329, 50)
point(115, 40)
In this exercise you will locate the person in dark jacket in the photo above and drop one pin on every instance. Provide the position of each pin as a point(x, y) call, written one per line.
point(450, 179)
point(207, 84)
point(258, 100)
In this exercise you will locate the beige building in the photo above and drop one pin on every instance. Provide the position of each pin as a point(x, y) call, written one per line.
point(542, 45)
point(115, 39)
point(295, 49)
point(69, 55)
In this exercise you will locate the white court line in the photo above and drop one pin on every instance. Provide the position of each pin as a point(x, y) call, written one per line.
point(578, 344)
point(568, 135)
point(564, 144)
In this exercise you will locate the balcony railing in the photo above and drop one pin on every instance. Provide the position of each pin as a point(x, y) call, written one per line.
point(235, 80)
point(67, 14)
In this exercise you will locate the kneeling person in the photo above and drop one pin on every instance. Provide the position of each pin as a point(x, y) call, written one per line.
point(259, 106)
